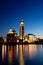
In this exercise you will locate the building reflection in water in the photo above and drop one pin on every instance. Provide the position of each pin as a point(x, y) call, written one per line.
point(12, 54)
point(21, 55)
point(32, 50)
point(4, 51)
point(25, 49)
point(17, 50)
point(15, 54)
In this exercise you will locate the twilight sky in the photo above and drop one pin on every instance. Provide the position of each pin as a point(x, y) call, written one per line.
point(12, 11)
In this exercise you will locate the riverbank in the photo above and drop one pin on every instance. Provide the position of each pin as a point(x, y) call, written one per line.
point(15, 43)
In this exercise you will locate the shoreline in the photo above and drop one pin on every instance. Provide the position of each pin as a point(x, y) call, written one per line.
point(15, 43)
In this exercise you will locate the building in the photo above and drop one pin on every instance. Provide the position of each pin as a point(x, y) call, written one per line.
point(12, 36)
point(4, 39)
point(1, 39)
point(21, 30)
point(30, 38)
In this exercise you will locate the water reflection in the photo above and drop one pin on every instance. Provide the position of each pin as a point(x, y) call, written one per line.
point(17, 50)
point(32, 50)
point(21, 55)
point(16, 55)
point(11, 53)
point(4, 51)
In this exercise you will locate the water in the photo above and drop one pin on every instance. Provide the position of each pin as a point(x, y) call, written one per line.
point(30, 54)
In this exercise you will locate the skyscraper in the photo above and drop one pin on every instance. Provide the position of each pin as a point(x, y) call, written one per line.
point(22, 29)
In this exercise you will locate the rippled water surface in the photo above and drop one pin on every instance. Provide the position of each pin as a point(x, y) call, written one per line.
point(31, 54)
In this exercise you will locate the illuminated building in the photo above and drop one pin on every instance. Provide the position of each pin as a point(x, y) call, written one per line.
point(12, 36)
point(21, 30)
point(4, 39)
point(30, 38)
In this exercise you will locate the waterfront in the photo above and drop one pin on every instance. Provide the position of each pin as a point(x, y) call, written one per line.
point(30, 54)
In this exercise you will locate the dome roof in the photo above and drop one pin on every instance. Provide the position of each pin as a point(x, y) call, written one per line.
point(11, 31)
point(30, 35)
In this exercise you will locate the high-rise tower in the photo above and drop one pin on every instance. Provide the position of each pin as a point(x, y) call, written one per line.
point(22, 29)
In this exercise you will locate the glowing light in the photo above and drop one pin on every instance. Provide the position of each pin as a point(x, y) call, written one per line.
point(10, 30)
point(21, 60)
point(22, 23)
point(32, 50)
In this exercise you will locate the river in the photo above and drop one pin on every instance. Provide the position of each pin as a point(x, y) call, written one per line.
point(30, 54)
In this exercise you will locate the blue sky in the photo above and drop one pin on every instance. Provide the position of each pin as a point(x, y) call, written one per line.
point(31, 11)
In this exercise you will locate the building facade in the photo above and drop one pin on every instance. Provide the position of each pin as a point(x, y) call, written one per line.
point(12, 36)
point(21, 36)
point(30, 38)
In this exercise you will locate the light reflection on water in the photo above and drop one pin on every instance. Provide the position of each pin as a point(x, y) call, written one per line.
point(22, 54)
point(11, 53)
point(32, 50)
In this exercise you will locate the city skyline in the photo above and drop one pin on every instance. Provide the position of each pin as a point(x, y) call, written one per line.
point(12, 11)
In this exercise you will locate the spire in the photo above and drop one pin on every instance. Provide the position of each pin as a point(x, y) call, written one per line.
point(22, 22)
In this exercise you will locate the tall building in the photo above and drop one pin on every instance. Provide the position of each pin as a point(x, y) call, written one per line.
point(21, 29)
